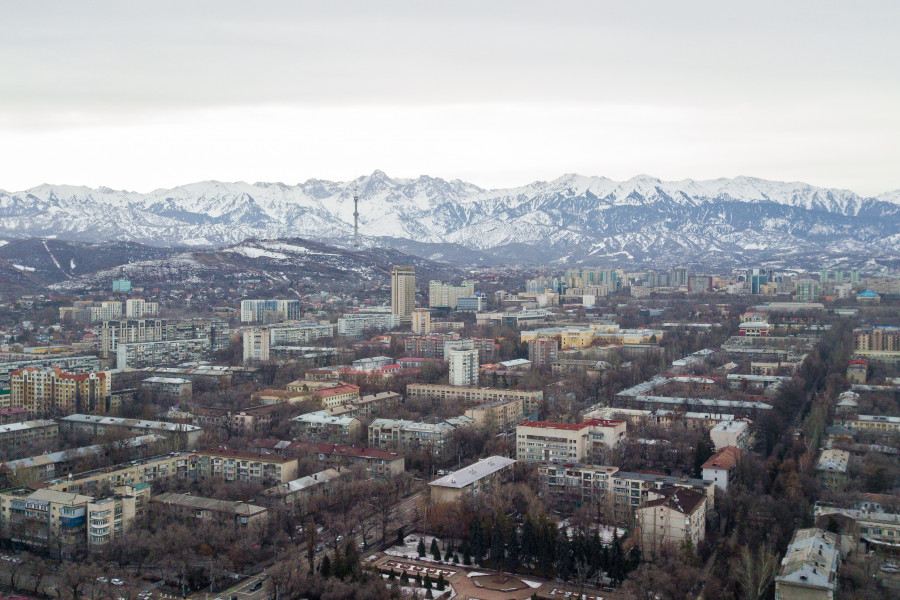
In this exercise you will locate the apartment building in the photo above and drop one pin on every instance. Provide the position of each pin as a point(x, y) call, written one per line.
point(871, 422)
point(809, 568)
point(543, 441)
point(269, 311)
point(48, 465)
point(138, 308)
point(71, 364)
point(47, 391)
point(444, 295)
point(878, 339)
point(720, 467)
point(257, 344)
point(503, 414)
point(25, 433)
point(543, 351)
point(374, 460)
point(97, 425)
point(68, 523)
point(463, 367)
point(325, 427)
point(731, 433)
point(299, 333)
point(142, 355)
point(421, 321)
point(131, 331)
point(472, 480)
point(249, 467)
point(188, 508)
point(579, 483)
point(403, 292)
point(110, 517)
point(320, 484)
point(173, 389)
point(874, 526)
point(345, 393)
point(670, 517)
point(403, 434)
point(355, 324)
point(531, 400)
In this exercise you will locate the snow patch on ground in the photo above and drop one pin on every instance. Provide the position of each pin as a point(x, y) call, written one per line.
point(532, 584)
point(251, 252)
point(23, 268)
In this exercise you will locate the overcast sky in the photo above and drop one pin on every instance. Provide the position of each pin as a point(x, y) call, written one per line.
point(141, 95)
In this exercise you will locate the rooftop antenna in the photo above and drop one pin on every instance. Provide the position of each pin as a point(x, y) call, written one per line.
point(355, 220)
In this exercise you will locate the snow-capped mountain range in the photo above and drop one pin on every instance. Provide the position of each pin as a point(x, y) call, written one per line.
point(570, 219)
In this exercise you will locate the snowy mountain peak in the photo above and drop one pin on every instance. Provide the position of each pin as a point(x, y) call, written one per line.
point(573, 215)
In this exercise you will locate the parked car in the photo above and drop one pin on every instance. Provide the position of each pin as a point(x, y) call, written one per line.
point(117, 582)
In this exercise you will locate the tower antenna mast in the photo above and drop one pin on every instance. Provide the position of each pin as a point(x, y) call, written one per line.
point(355, 220)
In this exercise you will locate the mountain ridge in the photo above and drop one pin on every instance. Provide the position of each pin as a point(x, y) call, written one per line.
point(572, 217)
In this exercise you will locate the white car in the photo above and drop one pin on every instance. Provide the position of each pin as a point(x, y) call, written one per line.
point(102, 579)
point(117, 582)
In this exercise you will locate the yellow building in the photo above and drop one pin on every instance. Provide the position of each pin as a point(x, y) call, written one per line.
point(43, 391)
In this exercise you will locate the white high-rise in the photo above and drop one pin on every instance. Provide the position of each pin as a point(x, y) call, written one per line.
point(463, 367)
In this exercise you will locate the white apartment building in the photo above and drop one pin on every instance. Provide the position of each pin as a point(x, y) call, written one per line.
point(463, 367)
point(354, 324)
point(137, 308)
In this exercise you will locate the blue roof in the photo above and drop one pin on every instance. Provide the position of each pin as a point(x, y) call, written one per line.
point(868, 294)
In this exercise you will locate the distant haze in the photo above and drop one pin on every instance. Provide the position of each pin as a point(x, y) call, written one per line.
point(141, 96)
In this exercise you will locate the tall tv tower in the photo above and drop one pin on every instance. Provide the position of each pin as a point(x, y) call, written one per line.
point(355, 220)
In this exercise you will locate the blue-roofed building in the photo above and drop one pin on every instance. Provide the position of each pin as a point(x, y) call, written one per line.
point(868, 297)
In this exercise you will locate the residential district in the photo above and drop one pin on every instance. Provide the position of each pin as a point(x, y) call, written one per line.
point(586, 433)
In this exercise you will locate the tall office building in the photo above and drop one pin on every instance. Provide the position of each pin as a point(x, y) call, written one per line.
point(403, 292)
point(463, 367)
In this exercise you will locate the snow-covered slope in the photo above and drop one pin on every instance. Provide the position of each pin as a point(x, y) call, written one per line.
point(576, 217)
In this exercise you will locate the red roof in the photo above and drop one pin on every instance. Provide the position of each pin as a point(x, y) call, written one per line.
point(859, 362)
point(725, 458)
point(552, 425)
point(338, 390)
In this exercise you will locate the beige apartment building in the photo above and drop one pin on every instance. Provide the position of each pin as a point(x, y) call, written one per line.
point(15, 435)
point(531, 400)
point(45, 391)
point(403, 292)
point(545, 441)
point(670, 517)
point(502, 414)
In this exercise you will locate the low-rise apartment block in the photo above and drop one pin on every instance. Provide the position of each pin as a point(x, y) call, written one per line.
point(543, 441)
point(471, 480)
point(188, 507)
point(16, 435)
point(249, 467)
point(324, 427)
point(809, 568)
point(575, 483)
point(317, 484)
point(403, 434)
point(670, 517)
point(174, 389)
point(68, 523)
point(95, 425)
point(532, 400)
point(379, 462)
